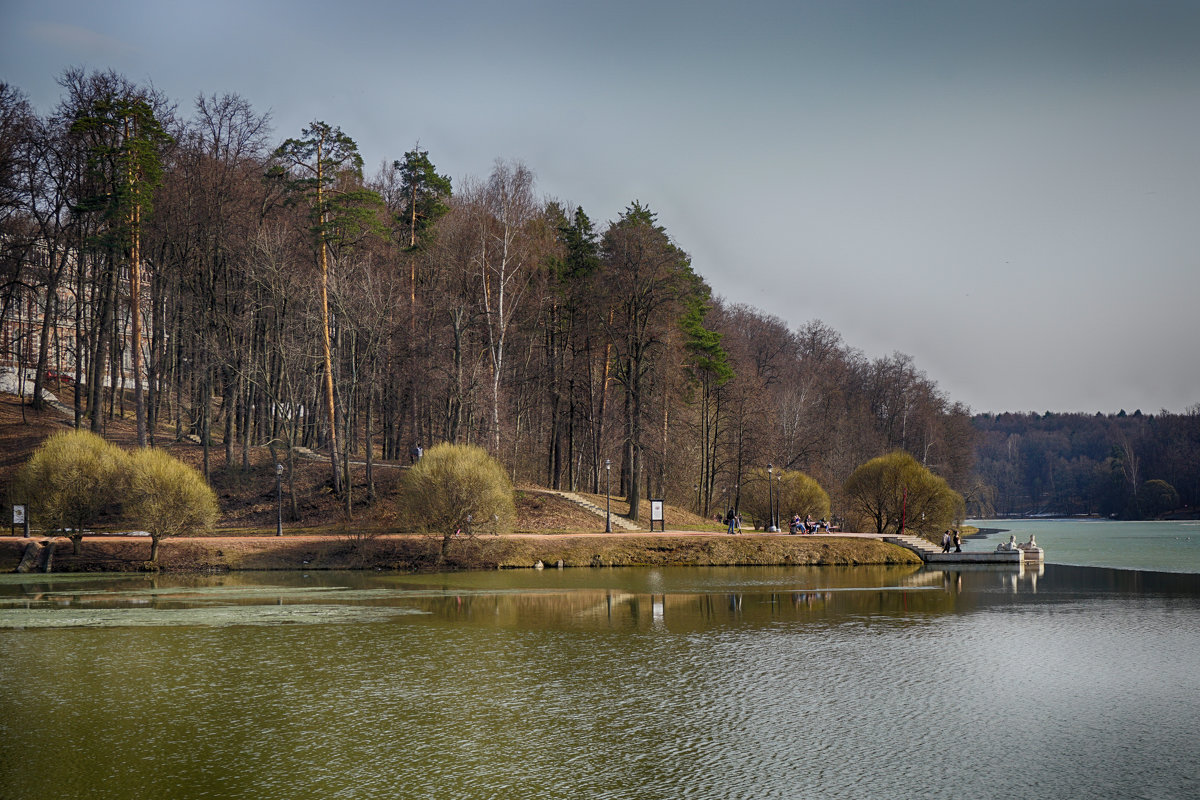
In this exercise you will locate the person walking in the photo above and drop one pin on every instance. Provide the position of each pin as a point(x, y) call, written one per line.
point(946, 542)
point(957, 542)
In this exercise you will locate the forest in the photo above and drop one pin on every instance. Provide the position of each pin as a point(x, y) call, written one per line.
point(1130, 466)
point(283, 296)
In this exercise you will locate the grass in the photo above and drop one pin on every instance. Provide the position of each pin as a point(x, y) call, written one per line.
point(418, 553)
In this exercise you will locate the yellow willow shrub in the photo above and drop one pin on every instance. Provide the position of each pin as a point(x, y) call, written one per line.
point(167, 497)
point(895, 487)
point(792, 492)
point(457, 489)
point(69, 480)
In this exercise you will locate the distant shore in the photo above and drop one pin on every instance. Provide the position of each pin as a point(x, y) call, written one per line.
point(415, 553)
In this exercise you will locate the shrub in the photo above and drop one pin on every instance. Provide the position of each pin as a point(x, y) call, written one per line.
point(457, 490)
point(793, 493)
point(167, 497)
point(886, 488)
point(801, 494)
point(70, 479)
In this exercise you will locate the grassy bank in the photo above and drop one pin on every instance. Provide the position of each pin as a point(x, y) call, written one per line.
point(420, 553)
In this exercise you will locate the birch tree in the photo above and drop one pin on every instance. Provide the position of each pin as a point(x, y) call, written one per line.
point(505, 256)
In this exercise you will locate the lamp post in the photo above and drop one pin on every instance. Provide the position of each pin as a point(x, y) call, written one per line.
point(778, 500)
point(607, 496)
point(279, 499)
point(771, 499)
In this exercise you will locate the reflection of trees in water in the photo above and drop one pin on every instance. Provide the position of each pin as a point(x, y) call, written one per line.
point(688, 612)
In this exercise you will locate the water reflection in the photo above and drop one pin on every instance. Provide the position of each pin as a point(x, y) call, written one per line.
point(664, 683)
point(678, 599)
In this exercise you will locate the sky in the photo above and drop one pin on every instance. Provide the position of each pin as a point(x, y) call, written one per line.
point(1008, 192)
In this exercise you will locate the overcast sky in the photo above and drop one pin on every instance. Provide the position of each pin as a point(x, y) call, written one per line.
point(1009, 192)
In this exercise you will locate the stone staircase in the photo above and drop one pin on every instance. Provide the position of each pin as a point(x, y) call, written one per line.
point(587, 505)
point(922, 547)
point(931, 553)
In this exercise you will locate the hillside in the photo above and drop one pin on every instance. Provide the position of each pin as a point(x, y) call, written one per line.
point(248, 498)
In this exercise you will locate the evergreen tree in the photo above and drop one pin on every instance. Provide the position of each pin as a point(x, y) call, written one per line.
point(125, 159)
point(425, 193)
point(648, 282)
point(323, 168)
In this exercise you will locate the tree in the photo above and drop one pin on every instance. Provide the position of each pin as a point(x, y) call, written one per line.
point(70, 480)
point(315, 167)
point(1157, 497)
point(167, 497)
point(569, 333)
point(801, 494)
point(505, 216)
point(793, 493)
point(895, 490)
point(455, 489)
point(709, 370)
point(20, 191)
point(647, 282)
point(16, 123)
point(424, 193)
point(127, 141)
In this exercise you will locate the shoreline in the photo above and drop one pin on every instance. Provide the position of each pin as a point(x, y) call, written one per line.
point(420, 553)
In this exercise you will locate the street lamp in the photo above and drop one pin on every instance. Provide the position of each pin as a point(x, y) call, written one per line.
point(279, 498)
point(607, 496)
point(771, 499)
point(778, 500)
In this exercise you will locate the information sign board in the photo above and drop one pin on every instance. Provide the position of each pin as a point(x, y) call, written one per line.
point(656, 515)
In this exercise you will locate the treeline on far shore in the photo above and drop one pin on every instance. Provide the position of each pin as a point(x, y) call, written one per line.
point(1130, 466)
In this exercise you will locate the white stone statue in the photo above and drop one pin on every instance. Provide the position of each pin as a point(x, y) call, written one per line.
point(1009, 546)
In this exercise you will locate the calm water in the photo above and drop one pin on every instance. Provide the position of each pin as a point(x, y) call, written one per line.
point(1163, 546)
point(601, 683)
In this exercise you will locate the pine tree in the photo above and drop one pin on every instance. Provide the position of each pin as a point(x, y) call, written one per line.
point(126, 161)
point(324, 168)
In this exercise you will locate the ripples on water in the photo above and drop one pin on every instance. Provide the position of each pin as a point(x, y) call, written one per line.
point(718, 684)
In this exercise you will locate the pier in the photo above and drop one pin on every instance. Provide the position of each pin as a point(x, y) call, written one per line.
point(931, 553)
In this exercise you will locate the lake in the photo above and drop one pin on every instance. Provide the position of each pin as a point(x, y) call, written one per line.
point(1065, 681)
point(1164, 546)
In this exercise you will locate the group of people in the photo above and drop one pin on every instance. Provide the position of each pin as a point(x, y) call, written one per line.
point(733, 521)
point(807, 525)
point(951, 537)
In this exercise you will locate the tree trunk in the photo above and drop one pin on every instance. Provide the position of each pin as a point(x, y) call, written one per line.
point(135, 307)
point(100, 350)
point(634, 451)
point(326, 345)
point(370, 446)
point(49, 314)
